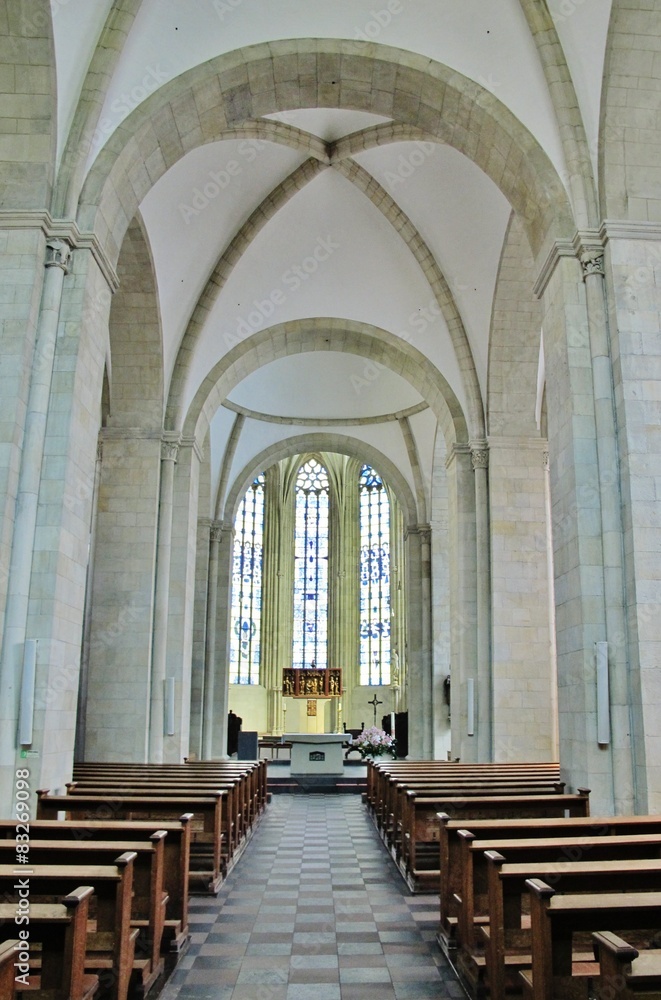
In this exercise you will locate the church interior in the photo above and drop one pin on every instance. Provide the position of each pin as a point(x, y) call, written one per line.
point(330, 380)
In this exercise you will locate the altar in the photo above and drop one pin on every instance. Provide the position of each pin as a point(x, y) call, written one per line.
point(316, 753)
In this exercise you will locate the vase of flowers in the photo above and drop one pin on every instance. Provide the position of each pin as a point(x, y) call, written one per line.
point(374, 742)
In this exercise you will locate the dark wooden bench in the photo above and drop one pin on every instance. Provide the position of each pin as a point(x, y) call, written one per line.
point(176, 853)
point(60, 931)
point(206, 865)
point(624, 972)
point(555, 918)
point(110, 946)
point(148, 900)
point(507, 936)
point(492, 831)
point(420, 827)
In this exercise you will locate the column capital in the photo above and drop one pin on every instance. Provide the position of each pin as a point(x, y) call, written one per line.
point(216, 531)
point(423, 531)
point(170, 447)
point(58, 253)
point(480, 456)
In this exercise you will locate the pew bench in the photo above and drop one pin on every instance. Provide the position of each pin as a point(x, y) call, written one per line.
point(148, 900)
point(208, 859)
point(497, 833)
point(555, 918)
point(420, 859)
point(176, 853)
point(60, 931)
point(110, 943)
point(624, 972)
point(507, 936)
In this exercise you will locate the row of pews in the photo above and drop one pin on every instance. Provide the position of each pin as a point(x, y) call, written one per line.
point(544, 905)
point(108, 870)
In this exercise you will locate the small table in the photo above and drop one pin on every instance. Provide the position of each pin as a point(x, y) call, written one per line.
point(316, 753)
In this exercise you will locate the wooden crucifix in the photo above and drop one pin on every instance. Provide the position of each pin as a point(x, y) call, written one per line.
point(374, 702)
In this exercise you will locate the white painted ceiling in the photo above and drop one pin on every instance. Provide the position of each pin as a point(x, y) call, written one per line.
point(368, 274)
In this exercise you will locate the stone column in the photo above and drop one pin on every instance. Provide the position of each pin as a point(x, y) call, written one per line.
point(169, 453)
point(200, 627)
point(524, 682)
point(221, 627)
point(18, 591)
point(277, 588)
point(81, 715)
point(591, 254)
point(398, 604)
point(484, 708)
point(633, 260)
point(181, 601)
point(419, 661)
point(577, 523)
point(210, 655)
point(463, 597)
point(343, 579)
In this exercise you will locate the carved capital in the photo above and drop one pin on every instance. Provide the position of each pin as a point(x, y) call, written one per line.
point(58, 254)
point(216, 532)
point(592, 262)
point(545, 460)
point(169, 451)
point(480, 458)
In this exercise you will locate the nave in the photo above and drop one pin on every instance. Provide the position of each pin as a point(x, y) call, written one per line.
point(313, 910)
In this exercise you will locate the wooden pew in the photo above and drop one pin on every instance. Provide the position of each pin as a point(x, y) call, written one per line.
point(556, 917)
point(496, 832)
point(382, 772)
point(148, 902)
point(420, 826)
point(61, 931)
point(207, 825)
point(507, 934)
point(233, 816)
point(624, 972)
point(176, 853)
point(8, 953)
point(111, 946)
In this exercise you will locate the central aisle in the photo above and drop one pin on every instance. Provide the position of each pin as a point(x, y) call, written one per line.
point(314, 910)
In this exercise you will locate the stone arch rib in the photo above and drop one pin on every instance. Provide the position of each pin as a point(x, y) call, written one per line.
point(202, 103)
point(439, 286)
point(228, 260)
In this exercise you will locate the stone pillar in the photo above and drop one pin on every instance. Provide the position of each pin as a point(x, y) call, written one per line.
point(419, 661)
point(181, 601)
point(524, 681)
point(633, 260)
point(343, 578)
point(81, 714)
point(463, 597)
point(119, 647)
point(222, 631)
point(484, 708)
point(577, 524)
point(591, 254)
point(398, 605)
point(277, 588)
point(210, 656)
point(20, 566)
point(200, 634)
point(169, 452)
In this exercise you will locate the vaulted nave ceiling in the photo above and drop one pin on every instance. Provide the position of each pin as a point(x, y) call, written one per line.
point(327, 216)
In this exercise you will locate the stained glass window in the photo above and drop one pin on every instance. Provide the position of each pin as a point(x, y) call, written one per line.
point(374, 579)
point(311, 566)
point(247, 586)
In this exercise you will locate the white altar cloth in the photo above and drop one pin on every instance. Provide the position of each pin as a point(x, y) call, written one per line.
point(316, 753)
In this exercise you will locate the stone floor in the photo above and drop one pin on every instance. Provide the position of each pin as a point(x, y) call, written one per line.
point(314, 910)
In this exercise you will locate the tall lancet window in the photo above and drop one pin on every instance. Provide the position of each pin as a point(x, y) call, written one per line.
point(311, 566)
point(247, 586)
point(374, 579)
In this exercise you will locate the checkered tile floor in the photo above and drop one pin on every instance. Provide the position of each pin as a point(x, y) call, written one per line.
point(314, 910)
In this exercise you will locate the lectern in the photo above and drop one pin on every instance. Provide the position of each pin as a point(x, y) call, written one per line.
point(316, 753)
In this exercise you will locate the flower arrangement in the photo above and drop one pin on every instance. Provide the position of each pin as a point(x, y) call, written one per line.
point(374, 742)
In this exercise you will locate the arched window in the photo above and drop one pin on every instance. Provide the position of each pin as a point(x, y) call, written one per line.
point(311, 566)
point(374, 579)
point(247, 586)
